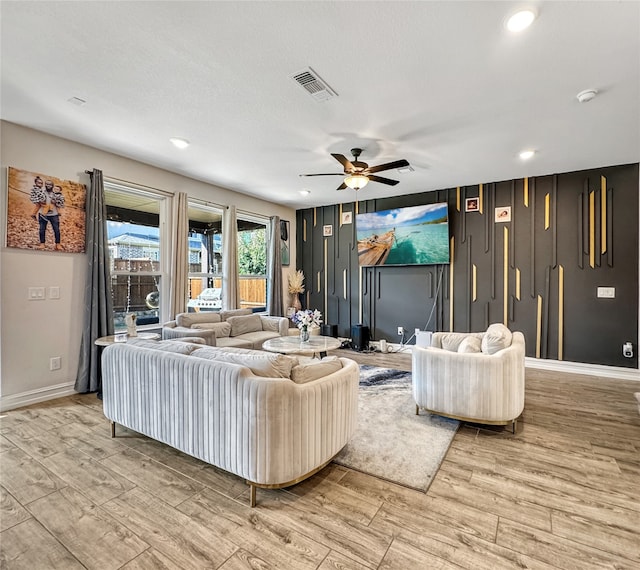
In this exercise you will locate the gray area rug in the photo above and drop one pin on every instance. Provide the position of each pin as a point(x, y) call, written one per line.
point(391, 442)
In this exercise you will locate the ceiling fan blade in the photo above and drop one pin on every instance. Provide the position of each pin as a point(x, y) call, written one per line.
point(342, 186)
point(382, 180)
point(324, 174)
point(342, 159)
point(388, 166)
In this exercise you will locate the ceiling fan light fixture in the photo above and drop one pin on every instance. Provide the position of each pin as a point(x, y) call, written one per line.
point(356, 181)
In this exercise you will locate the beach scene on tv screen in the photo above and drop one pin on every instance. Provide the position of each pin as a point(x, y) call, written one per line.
point(417, 235)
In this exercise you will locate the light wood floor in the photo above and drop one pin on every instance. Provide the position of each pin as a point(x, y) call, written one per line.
point(564, 492)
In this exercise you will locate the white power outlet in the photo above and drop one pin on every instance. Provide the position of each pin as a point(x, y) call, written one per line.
point(400, 331)
point(55, 363)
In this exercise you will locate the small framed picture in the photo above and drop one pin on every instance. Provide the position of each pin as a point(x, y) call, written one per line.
point(503, 214)
point(472, 205)
point(327, 231)
point(347, 218)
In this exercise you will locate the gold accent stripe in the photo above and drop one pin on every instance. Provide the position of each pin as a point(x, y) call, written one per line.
point(475, 283)
point(451, 284)
point(517, 284)
point(357, 208)
point(304, 230)
point(315, 217)
point(344, 283)
point(326, 261)
point(560, 312)
point(318, 275)
point(505, 272)
point(481, 198)
point(526, 192)
point(340, 217)
point(592, 229)
point(360, 294)
point(603, 214)
point(547, 203)
point(538, 326)
point(458, 198)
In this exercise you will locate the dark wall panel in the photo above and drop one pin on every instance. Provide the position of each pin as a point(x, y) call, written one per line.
point(539, 272)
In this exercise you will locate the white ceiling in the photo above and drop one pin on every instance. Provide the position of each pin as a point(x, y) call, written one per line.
point(441, 84)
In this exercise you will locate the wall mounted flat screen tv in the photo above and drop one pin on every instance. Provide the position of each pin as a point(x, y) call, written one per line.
point(417, 235)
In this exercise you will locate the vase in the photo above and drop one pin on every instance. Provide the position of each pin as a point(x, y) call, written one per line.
point(304, 335)
point(297, 305)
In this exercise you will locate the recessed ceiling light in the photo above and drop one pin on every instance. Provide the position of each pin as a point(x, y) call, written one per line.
point(527, 154)
point(180, 143)
point(406, 169)
point(520, 20)
point(304, 192)
point(76, 101)
point(586, 95)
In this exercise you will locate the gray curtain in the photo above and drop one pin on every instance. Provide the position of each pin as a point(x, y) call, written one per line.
point(230, 279)
point(275, 306)
point(179, 256)
point(98, 304)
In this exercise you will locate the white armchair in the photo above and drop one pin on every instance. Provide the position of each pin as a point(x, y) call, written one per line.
point(476, 377)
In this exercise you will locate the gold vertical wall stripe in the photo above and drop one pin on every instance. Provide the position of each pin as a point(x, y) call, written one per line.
point(475, 283)
point(340, 216)
point(304, 230)
point(315, 217)
point(344, 283)
point(547, 200)
point(458, 198)
point(451, 284)
point(481, 198)
point(526, 192)
point(357, 207)
point(517, 284)
point(603, 214)
point(326, 261)
point(318, 280)
point(505, 277)
point(592, 229)
point(359, 294)
point(560, 312)
point(538, 326)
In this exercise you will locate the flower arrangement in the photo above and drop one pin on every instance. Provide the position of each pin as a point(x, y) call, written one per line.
point(306, 318)
point(296, 282)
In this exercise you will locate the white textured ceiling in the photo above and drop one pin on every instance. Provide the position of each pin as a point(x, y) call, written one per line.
point(441, 84)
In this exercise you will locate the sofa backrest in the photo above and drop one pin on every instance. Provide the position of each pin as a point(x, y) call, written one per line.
point(189, 319)
point(224, 315)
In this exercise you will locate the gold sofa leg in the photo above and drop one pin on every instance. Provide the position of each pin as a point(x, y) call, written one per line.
point(113, 429)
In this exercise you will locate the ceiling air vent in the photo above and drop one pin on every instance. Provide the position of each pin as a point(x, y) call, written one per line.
point(311, 82)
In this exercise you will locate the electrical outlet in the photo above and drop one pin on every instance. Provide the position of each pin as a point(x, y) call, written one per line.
point(400, 331)
point(55, 363)
point(416, 331)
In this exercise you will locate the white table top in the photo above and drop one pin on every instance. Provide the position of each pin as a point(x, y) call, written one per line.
point(111, 339)
point(292, 344)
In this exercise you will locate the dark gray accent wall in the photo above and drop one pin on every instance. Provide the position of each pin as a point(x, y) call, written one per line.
point(568, 236)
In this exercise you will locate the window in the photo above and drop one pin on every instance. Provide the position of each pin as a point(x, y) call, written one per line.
point(205, 258)
point(135, 224)
point(252, 262)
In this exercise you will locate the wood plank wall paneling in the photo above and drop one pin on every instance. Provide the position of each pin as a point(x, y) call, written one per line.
point(560, 315)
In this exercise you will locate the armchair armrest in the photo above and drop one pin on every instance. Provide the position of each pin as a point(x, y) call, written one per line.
point(282, 322)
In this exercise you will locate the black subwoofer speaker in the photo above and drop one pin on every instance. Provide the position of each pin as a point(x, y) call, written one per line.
point(359, 337)
point(329, 330)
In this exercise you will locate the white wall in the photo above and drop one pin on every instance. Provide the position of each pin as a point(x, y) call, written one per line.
point(31, 332)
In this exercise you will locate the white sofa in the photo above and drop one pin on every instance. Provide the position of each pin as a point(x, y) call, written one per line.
point(269, 418)
point(239, 328)
point(477, 377)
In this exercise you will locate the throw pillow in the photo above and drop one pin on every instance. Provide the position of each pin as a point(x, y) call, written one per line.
point(244, 324)
point(314, 369)
point(224, 315)
point(270, 324)
point(219, 329)
point(267, 365)
point(470, 344)
point(451, 341)
point(496, 338)
point(190, 319)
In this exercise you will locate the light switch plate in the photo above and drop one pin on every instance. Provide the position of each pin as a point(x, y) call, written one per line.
point(54, 292)
point(606, 292)
point(36, 293)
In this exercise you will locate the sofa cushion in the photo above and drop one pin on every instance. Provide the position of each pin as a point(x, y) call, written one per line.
point(164, 345)
point(312, 369)
point(224, 315)
point(219, 329)
point(244, 324)
point(270, 324)
point(267, 365)
point(496, 338)
point(451, 341)
point(190, 319)
point(470, 344)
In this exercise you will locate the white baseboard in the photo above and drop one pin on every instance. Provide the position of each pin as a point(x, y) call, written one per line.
point(35, 396)
point(615, 372)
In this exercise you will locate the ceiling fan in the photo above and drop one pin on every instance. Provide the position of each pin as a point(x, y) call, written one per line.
point(358, 174)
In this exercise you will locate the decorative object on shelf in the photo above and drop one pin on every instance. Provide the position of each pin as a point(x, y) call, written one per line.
point(296, 287)
point(130, 321)
point(304, 319)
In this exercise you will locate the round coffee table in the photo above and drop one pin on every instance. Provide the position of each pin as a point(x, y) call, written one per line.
point(316, 345)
